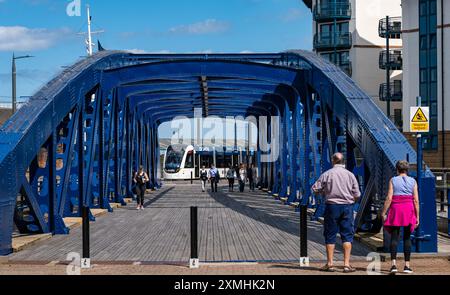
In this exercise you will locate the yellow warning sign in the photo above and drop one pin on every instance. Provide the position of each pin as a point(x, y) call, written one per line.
point(419, 119)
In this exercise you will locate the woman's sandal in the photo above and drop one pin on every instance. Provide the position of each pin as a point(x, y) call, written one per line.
point(349, 269)
point(328, 268)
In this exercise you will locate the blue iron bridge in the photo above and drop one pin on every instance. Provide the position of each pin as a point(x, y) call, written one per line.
point(79, 139)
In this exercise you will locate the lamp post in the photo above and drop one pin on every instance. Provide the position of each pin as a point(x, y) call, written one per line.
point(14, 80)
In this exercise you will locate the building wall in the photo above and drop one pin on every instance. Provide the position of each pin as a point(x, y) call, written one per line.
point(446, 10)
point(411, 90)
point(411, 59)
point(433, 159)
point(367, 46)
point(441, 157)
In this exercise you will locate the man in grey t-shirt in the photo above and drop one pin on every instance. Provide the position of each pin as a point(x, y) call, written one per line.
point(341, 190)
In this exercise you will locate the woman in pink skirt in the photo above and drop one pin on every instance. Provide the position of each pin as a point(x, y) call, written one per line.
point(401, 211)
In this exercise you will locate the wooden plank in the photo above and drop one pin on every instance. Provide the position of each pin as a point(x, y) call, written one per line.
point(21, 242)
point(232, 227)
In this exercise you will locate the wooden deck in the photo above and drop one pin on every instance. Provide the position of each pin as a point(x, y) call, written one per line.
point(232, 227)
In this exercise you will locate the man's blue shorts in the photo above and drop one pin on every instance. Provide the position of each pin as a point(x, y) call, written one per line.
point(339, 219)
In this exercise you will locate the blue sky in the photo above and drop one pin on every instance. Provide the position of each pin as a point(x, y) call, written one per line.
point(42, 28)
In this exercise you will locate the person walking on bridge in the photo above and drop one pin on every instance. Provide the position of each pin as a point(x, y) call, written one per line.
point(242, 178)
point(402, 202)
point(231, 176)
point(252, 177)
point(203, 177)
point(214, 178)
point(341, 191)
point(141, 179)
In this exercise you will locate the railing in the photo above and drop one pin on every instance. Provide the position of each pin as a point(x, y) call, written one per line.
point(330, 11)
point(443, 191)
point(391, 28)
point(396, 91)
point(395, 61)
point(333, 40)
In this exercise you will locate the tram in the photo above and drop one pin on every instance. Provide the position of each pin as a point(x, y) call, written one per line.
point(183, 162)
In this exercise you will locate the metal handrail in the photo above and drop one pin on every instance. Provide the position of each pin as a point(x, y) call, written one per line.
point(395, 59)
point(332, 39)
point(332, 10)
point(393, 28)
point(396, 91)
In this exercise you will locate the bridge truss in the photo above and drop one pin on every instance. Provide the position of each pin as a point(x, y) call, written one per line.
point(79, 139)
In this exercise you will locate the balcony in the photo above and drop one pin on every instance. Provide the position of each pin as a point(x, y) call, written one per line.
point(391, 29)
point(332, 11)
point(396, 91)
point(326, 41)
point(395, 61)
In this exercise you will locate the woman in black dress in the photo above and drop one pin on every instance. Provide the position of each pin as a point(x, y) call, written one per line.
point(141, 178)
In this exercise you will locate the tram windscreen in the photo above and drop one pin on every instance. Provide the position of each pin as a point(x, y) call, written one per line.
point(174, 157)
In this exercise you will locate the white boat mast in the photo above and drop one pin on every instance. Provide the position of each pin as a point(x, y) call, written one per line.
point(89, 40)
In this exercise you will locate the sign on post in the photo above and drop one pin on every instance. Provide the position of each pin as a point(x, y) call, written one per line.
point(420, 119)
point(85, 263)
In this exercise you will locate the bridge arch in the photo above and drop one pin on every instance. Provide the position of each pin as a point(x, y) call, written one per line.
point(98, 120)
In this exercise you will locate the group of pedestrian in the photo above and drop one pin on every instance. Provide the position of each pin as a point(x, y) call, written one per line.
point(341, 191)
point(242, 174)
point(213, 176)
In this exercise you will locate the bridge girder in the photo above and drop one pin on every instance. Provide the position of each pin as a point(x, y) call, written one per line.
point(98, 102)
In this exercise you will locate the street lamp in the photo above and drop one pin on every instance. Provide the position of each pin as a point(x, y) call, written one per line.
point(14, 80)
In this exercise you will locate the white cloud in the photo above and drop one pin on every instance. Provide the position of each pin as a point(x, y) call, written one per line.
point(291, 15)
point(17, 38)
point(208, 26)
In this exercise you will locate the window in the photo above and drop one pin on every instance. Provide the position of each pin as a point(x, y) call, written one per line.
point(328, 56)
point(423, 9)
point(433, 75)
point(423, 42)
point(325, 29)
point(433, 41)
point(398, 118)
point(342, 27)
point(189, 160)
point(433, 7)
point(344, 57)
point(423, 76)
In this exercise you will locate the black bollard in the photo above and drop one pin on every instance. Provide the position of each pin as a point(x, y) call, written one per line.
point(192, 177)
point(303, 231)
point(194, 237)
point(86, 234)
